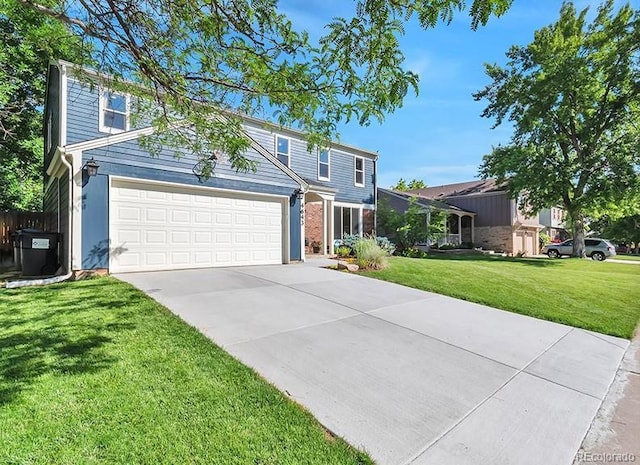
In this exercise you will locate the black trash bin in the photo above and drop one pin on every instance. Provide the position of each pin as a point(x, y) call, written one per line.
point(38, 252)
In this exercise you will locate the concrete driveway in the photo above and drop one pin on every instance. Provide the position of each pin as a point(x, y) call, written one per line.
point(409, 376)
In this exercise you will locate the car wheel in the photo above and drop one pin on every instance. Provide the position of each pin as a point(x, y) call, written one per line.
point(599, 256)
point(553, 253)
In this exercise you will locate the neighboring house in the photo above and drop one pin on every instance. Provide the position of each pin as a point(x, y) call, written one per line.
point(554, 221)
point(458, 227)
point(143, 213)
point(488, 217)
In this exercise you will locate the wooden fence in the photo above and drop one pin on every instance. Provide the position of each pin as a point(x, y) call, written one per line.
point(11, 222)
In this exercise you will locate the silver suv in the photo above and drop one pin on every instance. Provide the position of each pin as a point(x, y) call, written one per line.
point(597, 249)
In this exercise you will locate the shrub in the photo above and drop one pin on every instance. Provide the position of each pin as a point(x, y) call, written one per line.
point(414, 253)
point(386, 245)
point(343, 251)
point(369, 255)
point(350, 240)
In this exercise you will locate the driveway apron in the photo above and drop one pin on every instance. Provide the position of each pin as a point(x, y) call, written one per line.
point(409, 376)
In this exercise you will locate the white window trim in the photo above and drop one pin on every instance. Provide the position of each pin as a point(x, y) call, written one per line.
point(357, 206)
point(328, 178)
point(355, 172)
point(102, 108)
point(275, 141)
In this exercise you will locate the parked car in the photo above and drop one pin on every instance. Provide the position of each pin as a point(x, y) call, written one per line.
point(597, 249)
point(622, 248)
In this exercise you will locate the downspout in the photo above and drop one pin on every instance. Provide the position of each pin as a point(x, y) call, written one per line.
point(375, 197)
point(55, 279)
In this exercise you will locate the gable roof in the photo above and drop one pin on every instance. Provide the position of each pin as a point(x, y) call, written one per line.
point(481, 186)
point(424, 202)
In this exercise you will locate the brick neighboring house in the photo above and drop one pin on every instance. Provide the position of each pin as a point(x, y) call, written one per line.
point(498, 223)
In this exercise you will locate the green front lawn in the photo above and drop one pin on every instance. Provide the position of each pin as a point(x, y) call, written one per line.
point(95, 372)
point(627, 257)
point(603, 297)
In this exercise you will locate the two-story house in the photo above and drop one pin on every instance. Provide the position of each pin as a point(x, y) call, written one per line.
point(486, 216)
point(554, 221)
point(141, 213)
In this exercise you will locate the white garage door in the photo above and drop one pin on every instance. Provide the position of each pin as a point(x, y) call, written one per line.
point(154, 227)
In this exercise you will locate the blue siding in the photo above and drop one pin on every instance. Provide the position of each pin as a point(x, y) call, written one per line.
point(82, 125)
point(305, 164)
point(82, 112)
point(95, 223)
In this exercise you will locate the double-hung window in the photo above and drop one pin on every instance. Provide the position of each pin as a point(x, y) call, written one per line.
point(358, 175)
point(324, 168)
point(283, 150)
point(114, 112)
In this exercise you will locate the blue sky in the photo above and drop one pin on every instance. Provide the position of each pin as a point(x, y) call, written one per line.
point(439, 136)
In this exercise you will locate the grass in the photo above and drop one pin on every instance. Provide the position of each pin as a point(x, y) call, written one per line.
point(627, 257)
point(598, 296)
point(95, 372)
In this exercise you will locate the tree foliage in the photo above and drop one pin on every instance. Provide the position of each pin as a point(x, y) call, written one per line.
point(415, 226)
point(624, 230)
point(572, 96)
point(29, 41)
point(208, 62)
point(405, 186)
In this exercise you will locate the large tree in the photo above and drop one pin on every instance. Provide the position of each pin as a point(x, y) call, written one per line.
point(572, 96)
point(206, 61)
point(29, 41)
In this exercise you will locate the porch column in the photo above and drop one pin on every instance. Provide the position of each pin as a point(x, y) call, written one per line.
point(325, 208)
point(328, 226)
point(459, 229)
point(446, 229)
point(473, 227)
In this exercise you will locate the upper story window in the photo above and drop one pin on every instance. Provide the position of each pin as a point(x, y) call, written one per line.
point(359, 171)
point(114, 112)
point(283, 149)
point(324, 169)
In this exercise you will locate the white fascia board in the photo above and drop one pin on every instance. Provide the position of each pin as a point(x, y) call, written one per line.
point(110, 140)
point(192, 187)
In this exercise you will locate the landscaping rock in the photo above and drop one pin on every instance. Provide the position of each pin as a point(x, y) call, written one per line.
point(348, 266)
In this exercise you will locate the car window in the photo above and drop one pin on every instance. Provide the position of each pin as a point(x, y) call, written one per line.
point(569, 242)
point(591, 242)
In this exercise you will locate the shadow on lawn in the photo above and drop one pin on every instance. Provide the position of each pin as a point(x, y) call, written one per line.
point(538, 262)
point(61, 330)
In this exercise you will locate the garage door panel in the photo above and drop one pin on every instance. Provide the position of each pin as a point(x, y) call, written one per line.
point(155, 229)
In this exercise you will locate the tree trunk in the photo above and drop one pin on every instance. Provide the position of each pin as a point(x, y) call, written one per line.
point(577, 220)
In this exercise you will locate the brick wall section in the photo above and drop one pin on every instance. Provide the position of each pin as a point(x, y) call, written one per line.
point(498, 238)
point(368, 221)
point(312, 224)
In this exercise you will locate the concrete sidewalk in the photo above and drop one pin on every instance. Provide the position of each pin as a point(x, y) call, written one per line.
point(614, 436)
point(409, 376)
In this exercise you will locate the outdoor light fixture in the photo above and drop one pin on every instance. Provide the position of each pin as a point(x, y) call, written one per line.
point(206, 168)
point(91, 167)
point(300, 194)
